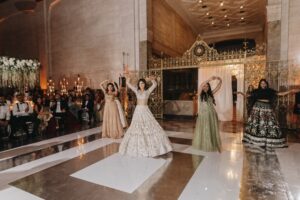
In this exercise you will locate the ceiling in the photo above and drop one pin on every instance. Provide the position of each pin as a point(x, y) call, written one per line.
point(221, 15)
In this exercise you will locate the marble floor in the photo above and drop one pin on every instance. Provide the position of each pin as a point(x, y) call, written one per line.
point(85, 166)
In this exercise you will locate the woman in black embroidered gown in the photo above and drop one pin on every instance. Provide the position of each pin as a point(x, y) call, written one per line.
point(262, 127)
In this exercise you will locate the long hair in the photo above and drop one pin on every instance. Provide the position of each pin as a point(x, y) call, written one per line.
point(204, 95)
point(113, 87)
point(144, 81)
point(263, 80)
point(249, 88)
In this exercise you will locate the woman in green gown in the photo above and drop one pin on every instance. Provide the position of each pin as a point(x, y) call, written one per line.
point(207, 136)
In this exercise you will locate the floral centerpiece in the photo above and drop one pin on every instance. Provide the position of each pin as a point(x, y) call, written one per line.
point(18, 73)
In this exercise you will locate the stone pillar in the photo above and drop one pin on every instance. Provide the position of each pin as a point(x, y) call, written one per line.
point(273, 30)
point(277, 30)
point(42, 27)
point(284, 29)
point(143, 18)
point(277, 41)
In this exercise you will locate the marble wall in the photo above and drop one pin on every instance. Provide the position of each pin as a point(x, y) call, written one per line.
point(171, 34)
point(88, 38)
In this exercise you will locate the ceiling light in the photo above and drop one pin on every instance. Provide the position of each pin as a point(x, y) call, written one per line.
point(207, 13)
point(228, 25)
point(241, 7)
point(225, 16)
point(200, 1)
point(222, 3)
point(242, 18)
point(212, 23)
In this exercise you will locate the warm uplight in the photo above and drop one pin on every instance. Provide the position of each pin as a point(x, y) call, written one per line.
point(200, 1)
point(222, 3)
point(241, 7)
point(212, 23)
point(225, 16)
point(207, 13)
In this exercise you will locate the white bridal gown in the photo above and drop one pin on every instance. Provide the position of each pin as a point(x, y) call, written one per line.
point(144, 137)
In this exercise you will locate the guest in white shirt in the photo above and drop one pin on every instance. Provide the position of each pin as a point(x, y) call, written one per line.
point(22, 108)
point(22, 114)
point(59, 108)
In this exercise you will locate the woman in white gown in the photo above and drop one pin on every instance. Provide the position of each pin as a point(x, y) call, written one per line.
point(144, 137)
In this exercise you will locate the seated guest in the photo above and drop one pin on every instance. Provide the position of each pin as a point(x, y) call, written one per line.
point(43, 114)
point(72, 105)
point(87, 107)
point(22, 114)
point(98, 106)
point(51, 100)
point(4, 116)
point(59, 108)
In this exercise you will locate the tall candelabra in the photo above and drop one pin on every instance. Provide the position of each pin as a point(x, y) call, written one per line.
point(64, 86)
point(78, 86)
point(50, 86)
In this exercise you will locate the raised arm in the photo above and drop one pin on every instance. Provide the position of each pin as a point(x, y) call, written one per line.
point(241, 93)
point(116, 89)
point(133, 88)
point(102, 86)
point(153, 86)
point(218, 86)
point(288, 92)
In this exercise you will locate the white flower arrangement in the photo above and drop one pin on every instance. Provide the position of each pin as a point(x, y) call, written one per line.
point(17, 64)
point(17, 73)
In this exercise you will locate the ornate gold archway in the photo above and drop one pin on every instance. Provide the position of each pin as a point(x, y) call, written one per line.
point(282, 75)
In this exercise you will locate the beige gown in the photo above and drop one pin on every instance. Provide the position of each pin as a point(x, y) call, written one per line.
point(111, 126)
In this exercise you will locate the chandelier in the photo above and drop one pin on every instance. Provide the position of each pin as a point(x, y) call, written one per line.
point(78, 86)
point(64, 86)
point(50, 86)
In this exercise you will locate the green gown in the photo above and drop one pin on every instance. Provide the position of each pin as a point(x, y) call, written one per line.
point(207, 136)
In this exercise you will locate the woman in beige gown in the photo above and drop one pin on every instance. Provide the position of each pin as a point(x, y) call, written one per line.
point(111, 126)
